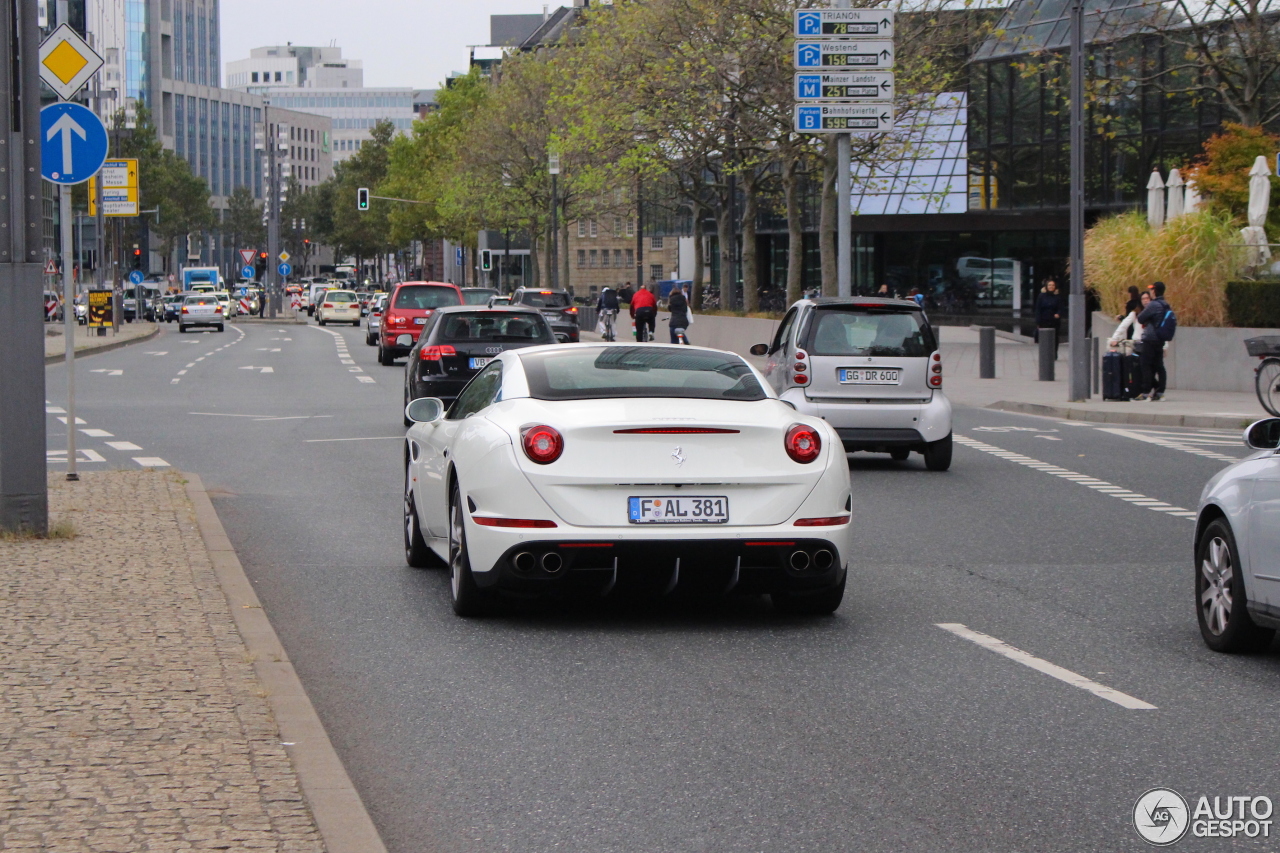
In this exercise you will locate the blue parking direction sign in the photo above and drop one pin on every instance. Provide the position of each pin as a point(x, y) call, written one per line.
point(870, 117)
point(73, 143)
point(842, 55)
point(844, 23)
point(247, 272)
point(136, 277)
point(845, 86)
point(284, 270)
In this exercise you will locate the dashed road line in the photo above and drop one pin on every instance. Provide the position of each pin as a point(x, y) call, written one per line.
point(1100, 486)
point(1066, 676)
point(344, 356)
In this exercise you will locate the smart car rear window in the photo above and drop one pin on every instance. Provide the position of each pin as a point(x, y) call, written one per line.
point(597, 373)
point(420, 296)
point(500, 326)
point(869, 331)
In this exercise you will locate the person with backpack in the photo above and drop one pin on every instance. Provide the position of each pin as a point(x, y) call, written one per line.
point(1159, 324)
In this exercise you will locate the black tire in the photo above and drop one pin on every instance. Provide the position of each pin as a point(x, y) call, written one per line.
point(822, 603)
point(416, 552)
point(1267, 385)
point(182, 329)
point(220, 327)
point(1221, 605)
point(937, 454)
point(385, 358)
point(899, 455)
point(407, 422)
point(322, 322)
point(467, 598)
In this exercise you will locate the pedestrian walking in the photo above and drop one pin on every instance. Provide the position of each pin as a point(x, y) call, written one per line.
point(1049, 313)
point(1158, 326)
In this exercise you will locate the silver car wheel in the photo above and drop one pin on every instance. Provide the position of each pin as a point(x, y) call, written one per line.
point(457, 551)
point(1216, 601)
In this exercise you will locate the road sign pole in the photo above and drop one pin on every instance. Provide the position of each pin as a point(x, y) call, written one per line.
point(69, 324)
point(271, 277)
point(24, 498)
point(844, 204)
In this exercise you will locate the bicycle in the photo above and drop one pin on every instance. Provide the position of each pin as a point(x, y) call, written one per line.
point(606, 317)
point(642, 329)
point(1267, 373)
point(680, 336)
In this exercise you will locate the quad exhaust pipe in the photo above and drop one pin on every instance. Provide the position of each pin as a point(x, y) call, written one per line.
point(526, 562)
point(822, 559)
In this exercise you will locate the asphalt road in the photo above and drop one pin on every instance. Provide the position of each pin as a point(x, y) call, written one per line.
point(725, 728)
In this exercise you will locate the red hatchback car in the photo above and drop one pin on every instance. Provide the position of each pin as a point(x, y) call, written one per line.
point(408, 307)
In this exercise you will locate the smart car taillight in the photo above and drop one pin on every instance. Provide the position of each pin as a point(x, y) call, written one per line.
point(542, 444)
point(935, 371)
point(803, 443)
point(436, 353)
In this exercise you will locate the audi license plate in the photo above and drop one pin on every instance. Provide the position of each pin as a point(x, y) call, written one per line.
point(869, 376)
point(477, 363)
point(681, 510)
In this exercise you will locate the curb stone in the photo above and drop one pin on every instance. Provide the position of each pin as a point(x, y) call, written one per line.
point(107, 347)
point(339, 813)
point(1136, 418)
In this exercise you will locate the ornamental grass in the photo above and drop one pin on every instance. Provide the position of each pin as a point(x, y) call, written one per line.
point(1194, 255)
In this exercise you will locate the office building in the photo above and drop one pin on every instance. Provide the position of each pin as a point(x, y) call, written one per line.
point(294, 67)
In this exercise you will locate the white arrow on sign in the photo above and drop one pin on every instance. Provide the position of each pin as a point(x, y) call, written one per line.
point(66, 125)
point(261, 369)
point(108, 372)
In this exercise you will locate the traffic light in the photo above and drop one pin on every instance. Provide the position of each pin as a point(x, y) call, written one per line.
point(362, 198)
point(486, 260)
point(137, 259)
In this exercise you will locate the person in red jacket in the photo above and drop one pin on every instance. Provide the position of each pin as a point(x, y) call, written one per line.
point(644, 310)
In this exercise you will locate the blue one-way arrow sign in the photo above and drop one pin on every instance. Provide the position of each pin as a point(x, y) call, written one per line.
point(73, 143)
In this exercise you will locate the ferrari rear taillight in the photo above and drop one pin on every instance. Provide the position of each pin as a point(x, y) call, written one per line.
point(542, 444)
point(935, 370)
point(803, 443)
point(436, 353)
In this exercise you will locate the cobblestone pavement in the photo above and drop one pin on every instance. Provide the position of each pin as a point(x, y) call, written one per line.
point(130, 715)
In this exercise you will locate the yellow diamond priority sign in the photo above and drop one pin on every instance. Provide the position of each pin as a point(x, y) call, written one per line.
point(284, 257)
point(67, 62)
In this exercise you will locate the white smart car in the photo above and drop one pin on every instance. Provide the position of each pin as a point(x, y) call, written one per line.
point(1237, 547)
point(616, 469)
point(870, 367)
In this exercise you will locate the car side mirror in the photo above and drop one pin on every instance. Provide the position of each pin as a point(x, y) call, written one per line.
point(425, 410)
point(760, 349)
point(1263, 435)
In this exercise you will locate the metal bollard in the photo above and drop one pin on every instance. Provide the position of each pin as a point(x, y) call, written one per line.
point(987, 352)
point(1048, 353)
point(1096, 351)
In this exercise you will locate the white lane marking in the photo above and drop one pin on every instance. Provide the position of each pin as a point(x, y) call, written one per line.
point(109, 371)
point(268, 349)
point(97, 433)
point(161, 352)
point(203, 357)
point(192, 364)
point(151, 462)
point(78, 420)
point(83, 455)
point(1101, 486)
point(1000, 647)
point(366, 378)
point(182, 372)
point(260, 369)
point(1184, 446)
point(123, 445)
point(174, 381)
point(54, 410)
point(370, 438)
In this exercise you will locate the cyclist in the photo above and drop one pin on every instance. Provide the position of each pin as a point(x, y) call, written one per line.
point(607, 306)
point(644, 310)
point(678, 305)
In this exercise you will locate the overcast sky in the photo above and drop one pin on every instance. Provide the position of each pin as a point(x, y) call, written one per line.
point(402, 42)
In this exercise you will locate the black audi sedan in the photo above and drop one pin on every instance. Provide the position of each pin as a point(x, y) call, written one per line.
point(459, 340)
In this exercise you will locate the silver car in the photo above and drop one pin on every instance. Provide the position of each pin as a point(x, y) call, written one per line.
point(201, 310)
point(1237, 548)
point(373, 319)
point(870, 367)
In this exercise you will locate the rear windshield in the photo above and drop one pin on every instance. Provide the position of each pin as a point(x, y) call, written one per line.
point(499, 326)
point(870, 332)
point(594, 373)
point(339, 296)
point(425, 296)
point(200, 300)
point(477, 297)
point(544, 299)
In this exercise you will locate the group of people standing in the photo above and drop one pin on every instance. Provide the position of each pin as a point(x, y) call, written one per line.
point(1149, 323)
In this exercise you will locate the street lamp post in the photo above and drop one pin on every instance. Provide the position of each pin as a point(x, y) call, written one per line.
point(1077, 352)
point(553, 251)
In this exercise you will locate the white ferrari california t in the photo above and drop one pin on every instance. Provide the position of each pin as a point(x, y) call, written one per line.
point(617, 469)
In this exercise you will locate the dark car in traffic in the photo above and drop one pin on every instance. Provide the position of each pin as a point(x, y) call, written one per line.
point(556, 306)
point(457, 342)
point(477, 295)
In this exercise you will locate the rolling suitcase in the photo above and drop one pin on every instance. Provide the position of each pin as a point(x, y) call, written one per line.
point(1132, 376)
point(1113, 377)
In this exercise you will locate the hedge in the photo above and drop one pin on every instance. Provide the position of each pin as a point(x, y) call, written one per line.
point(1254, 304)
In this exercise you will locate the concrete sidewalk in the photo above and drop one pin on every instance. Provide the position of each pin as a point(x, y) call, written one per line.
point(1017, 388)
point(144, 698)
point(88, 341)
